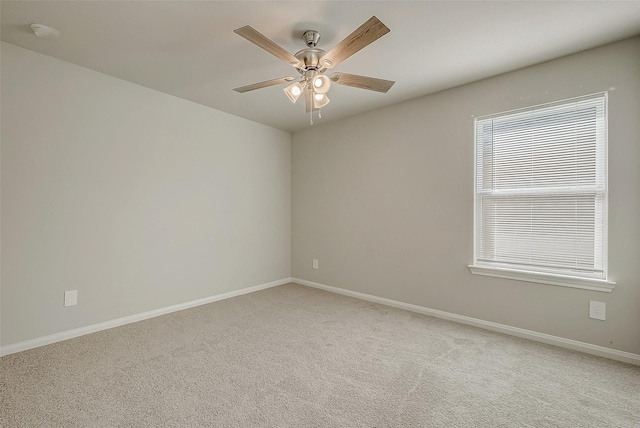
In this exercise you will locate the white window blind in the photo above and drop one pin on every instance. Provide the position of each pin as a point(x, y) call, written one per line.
point(541, 191)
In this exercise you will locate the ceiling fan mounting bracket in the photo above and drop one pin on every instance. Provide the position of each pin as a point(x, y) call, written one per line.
point(311, 38)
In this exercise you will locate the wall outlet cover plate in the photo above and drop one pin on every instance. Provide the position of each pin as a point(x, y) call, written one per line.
point(71, 297)
point(597, 310)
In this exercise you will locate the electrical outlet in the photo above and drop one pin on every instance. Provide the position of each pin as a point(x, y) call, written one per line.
point(315, 263)
point(598, 310)
point(71, 297)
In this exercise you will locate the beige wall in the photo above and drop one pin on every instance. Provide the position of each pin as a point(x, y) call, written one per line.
point(384, 200)
point(137, 199)
point(140, 200)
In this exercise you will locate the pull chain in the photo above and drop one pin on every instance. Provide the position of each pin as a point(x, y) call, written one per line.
point(311, 116)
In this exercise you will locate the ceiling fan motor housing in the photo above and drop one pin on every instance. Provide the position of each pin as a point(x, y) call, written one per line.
point(310, 58)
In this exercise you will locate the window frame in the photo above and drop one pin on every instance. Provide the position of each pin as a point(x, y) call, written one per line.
point(520, 274)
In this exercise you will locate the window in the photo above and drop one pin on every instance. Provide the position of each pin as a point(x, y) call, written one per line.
point(541, 194)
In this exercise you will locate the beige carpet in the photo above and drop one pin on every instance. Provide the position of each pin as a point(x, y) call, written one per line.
point(293, 356)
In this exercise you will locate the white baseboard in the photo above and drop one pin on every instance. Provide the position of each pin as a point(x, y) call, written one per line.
point(575, 345)
point(70, 334)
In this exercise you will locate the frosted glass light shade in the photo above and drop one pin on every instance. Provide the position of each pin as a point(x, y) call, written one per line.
point(293, 91)
point(321, 84)
point(320, 100)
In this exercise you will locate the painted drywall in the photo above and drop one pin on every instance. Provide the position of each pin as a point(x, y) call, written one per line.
point(384, 201)
point(137, 199)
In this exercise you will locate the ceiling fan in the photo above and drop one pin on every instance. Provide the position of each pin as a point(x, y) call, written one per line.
point(312, 63)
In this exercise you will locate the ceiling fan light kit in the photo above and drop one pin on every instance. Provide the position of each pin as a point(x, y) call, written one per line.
point(311, 63)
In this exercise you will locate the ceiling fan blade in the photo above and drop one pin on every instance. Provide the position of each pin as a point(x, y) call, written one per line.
point(367, 33)
point(362, 82)
point(265, 84)
point(261, 41)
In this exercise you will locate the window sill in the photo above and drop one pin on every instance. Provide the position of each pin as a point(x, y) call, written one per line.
point(564, 281)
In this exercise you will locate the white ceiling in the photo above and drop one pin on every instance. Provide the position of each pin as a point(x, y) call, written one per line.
point(188, 48)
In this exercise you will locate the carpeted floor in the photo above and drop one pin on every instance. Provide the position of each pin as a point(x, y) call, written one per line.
point(293, 356)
